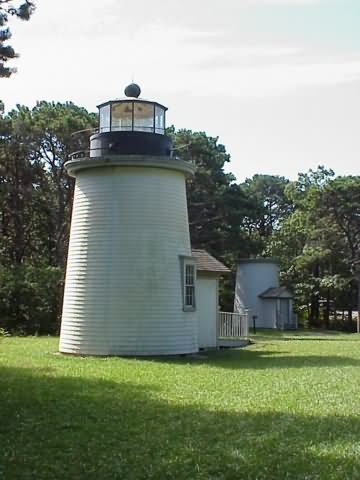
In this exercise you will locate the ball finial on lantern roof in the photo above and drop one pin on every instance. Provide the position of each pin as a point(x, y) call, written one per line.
point(133, 90)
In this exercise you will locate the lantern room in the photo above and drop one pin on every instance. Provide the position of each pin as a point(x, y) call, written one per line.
point(132, 114)
point(131, 125)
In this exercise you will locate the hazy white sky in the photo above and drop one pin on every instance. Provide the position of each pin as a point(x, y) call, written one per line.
point(277, 80)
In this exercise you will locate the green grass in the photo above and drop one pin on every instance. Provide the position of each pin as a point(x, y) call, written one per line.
point(287, 407)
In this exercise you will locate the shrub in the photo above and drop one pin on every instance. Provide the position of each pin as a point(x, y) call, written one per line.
point(30, 298)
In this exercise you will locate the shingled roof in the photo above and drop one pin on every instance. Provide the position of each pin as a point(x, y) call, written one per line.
point(276, 292)
point(207, 263)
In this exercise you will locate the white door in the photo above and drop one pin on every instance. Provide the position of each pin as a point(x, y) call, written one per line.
point(206, 302)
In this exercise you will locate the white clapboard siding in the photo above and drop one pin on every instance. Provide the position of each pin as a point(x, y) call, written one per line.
point(123, 290)
point(207, 309)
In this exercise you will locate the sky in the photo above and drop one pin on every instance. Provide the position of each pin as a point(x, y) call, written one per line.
point(278, 81)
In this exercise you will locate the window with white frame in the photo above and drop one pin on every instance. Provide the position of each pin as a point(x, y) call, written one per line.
point(189, 276)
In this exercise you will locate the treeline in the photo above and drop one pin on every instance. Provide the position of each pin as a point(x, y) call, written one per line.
point(312, 225)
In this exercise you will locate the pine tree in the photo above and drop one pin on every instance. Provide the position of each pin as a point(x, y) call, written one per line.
point(8, 10)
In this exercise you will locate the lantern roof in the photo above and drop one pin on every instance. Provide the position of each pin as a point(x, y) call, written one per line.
point(132, 94)
point(131, 99)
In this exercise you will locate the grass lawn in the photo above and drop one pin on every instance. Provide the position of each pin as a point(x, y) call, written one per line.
point(287, 407)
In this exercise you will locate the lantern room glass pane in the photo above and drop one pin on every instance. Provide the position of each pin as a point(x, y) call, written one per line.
point(159, 120)
point(143, 117)
point(104, 118)
point(121, 116)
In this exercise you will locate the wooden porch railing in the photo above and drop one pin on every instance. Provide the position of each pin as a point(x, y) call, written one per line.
point(233, 325)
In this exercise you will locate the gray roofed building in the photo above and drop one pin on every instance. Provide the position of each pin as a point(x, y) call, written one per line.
point(258, 291)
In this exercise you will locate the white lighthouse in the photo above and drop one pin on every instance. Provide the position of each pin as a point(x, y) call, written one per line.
point(130, 278)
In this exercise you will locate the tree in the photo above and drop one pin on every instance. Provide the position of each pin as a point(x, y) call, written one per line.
point(18, 175)
point(35, 199)
point(269, 206)
point(53, 127)
point(217, 205)
point(23, 11)
point(340, 203)
point(25, 275)
point(317, 258)
point(209, 192)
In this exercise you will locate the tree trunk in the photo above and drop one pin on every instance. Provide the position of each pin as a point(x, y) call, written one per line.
point(314, 311)
point(350, 319)
point(327, 311)
point(358, 305)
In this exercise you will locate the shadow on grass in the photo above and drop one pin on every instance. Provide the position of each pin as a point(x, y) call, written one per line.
point(289, 338)
point(262, 359)
point(245, 358)
point(75, 428)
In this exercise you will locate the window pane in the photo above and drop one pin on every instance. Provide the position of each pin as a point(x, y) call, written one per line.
point(122, 116)
point(143, 117)
point(105, 119)
point(189, 296)
point(189, 285)
point(159, 120)
point(189, 275)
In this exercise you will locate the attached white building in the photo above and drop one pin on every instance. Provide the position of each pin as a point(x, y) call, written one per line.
point(208, 271)
point(258, 291)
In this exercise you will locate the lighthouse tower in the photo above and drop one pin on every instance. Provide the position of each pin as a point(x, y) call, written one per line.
point(130, 277)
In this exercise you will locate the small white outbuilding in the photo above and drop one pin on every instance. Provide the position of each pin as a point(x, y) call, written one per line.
point(258, 291)
point(208, 273)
